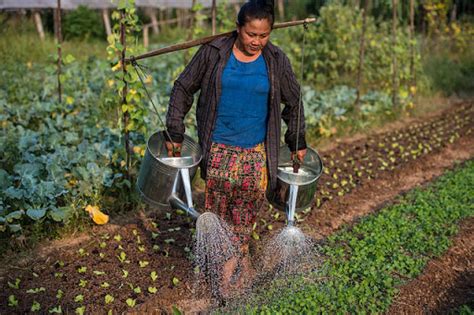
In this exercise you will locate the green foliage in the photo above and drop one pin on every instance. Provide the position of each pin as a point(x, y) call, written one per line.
point(332, 52)
point(57, 158)
point(366, 263)
point(83, 23)
point(451, 76)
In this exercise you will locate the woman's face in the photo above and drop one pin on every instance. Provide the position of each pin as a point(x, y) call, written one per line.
point(253, 36)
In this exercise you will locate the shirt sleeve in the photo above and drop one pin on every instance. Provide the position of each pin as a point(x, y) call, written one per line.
point(290, 96)
point(182, 94)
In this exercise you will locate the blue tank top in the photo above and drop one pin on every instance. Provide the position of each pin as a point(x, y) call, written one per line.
point(242, 109)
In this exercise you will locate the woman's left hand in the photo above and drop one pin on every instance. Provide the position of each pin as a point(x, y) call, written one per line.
point(300, 155)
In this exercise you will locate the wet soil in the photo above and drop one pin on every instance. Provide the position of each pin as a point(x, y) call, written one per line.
point(361, 176)
point(446, 282)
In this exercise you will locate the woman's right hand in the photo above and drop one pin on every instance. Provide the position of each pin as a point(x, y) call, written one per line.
point(174, 148)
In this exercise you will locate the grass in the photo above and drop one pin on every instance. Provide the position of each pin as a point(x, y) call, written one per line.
point(28, 48)
point(450, 73)
point(367, 262)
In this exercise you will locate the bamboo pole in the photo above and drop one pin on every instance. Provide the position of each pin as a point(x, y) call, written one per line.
point(105, 17)
point(394, 55)
point(126, 115)
point(38, 24)
point(59, 38)
point(360, 67)
point(208, 39)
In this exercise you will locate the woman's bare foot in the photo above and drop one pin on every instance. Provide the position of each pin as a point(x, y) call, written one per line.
point(228, 282)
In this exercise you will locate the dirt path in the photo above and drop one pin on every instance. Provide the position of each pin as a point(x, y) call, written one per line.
point(446, 282)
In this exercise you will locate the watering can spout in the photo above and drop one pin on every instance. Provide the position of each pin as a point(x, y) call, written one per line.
point(177, 203)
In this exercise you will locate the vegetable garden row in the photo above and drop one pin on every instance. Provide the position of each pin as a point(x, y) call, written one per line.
point(147, 264)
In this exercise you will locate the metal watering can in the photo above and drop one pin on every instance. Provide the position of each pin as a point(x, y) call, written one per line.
point(295, 191)
point(164, 181)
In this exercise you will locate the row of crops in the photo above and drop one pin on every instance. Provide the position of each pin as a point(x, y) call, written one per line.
point(59, 158)
point(349, 166)
point(362, 265)
point(365, 263)
point(128, 266)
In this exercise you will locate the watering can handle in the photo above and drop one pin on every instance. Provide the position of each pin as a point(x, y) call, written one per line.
point(187, 186)
point(296, 165)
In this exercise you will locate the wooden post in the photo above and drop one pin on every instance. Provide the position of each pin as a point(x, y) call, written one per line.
point(394, 56)
point(145, 36)
point(453, 12)
point(412, 47)
point(361, 53)
point(126, 115)
point(38, 24)
point(281, 9)
point(213, 13)
point(105, 17)
point(59, 39)
point(151, 13)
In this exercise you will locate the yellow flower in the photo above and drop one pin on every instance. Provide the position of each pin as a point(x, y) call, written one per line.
point(117, 66)
point(69, 100)
point(97, 216)
point(413, 89)
point(148, 79)
point(133, 91)
point(29, 64)
point(110, 83)
point(136, 149)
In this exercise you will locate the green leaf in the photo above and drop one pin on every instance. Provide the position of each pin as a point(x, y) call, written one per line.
point(35, 306)
point(175, 281)
point(36, 214)
point(14, 228)
point(131, 302)
point(4, 179)
point(68, 59)
point(108, 299)
point(176, 311)
point(80, 310)
point(60, 214)
point(15, 215)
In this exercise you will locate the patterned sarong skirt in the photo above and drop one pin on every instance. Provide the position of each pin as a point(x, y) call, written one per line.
point(235, 186)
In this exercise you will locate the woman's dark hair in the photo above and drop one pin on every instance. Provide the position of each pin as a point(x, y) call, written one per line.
point(256, 9)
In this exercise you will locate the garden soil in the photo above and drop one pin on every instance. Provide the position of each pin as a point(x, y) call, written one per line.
point(361, 179)
point(446, 282)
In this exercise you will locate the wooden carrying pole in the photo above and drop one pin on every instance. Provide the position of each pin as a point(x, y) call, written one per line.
point(208, 39)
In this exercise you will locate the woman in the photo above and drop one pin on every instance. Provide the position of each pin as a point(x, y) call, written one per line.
point(242, 81)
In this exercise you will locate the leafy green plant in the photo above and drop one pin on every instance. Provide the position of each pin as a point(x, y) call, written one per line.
point(35, 307)
point(12, 300)
point(108, 299)
point(83, 23)
point(131, 302)
point(365, 263)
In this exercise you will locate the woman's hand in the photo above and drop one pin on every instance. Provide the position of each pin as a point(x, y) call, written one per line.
point(174, 149)
point(300, 155)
